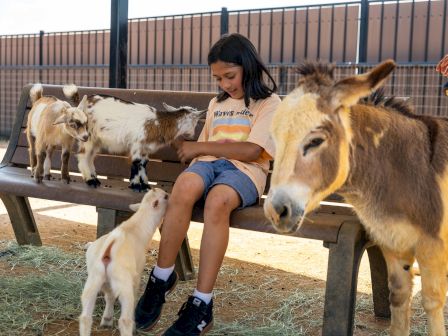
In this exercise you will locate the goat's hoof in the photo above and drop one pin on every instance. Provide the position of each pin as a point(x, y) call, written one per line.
point(140, 187)
point(66, 180)
point(48, 177)
point(93, 182)
point(38, 179)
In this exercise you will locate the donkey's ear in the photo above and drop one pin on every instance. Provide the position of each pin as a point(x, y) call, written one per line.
point(350, 90)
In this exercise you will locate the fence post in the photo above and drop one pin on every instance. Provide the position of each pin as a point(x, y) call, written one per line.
point(224, 21)
point(41, 54)
point(283, 80)
point(118, 44)
point(363, 31)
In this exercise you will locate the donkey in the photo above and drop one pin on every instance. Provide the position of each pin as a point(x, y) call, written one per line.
point(390, 164)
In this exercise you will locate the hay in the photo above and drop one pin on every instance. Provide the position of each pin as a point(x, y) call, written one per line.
point(44, 284)
point(285, 320)
point(48, 291)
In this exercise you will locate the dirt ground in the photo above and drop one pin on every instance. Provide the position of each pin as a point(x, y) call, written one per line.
point(259, 272)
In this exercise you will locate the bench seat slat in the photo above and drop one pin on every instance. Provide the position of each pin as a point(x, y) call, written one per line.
point(116, 195)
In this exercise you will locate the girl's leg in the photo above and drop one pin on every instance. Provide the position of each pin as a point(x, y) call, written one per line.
point(188, 188)
point(221, 201)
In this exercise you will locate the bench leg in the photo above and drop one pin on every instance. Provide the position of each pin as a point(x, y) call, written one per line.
point(184, 263)
point(22, 219)
point(342, 278)
point(108, 219)
point(380, 290)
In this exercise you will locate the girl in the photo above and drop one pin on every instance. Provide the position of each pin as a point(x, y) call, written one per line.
point(231, 159)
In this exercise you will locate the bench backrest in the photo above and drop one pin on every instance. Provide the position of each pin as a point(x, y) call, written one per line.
point(164, 165)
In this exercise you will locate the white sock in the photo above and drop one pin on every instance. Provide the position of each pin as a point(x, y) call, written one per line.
point(206, 297)
point(162, 273)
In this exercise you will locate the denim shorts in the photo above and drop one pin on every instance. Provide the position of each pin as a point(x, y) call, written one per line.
point(224, 172)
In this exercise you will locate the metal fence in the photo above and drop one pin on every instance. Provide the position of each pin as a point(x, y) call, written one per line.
point(169, 52)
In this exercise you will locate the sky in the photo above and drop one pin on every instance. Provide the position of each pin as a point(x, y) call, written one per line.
point(31, 16)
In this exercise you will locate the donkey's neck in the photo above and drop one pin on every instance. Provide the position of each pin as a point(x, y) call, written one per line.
point(392, 169)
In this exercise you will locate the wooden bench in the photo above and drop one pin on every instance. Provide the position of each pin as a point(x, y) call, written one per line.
point(336, 226)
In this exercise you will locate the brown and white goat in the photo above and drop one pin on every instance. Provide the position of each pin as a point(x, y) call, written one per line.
point(390, 164)
point(116, 261)
point(51, 123)
point(137, 130)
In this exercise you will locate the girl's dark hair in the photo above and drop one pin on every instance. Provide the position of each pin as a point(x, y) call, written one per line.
point(237, 49)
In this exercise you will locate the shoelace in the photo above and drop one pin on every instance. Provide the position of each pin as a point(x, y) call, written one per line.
point(189, 316)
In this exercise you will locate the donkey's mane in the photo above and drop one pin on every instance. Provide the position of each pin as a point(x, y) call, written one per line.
point(320, 70)
point(393, 103)
point(402, 107)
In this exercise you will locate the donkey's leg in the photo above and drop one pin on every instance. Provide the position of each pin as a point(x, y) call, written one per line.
point(432, 261)
point(399, 268)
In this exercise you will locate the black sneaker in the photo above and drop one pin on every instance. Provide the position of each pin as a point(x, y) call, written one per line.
point(195, 318)
point(149, 307)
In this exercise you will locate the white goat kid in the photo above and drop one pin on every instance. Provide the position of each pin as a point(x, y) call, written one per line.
point(137, 130)
point(51, 123)
point(115, 262)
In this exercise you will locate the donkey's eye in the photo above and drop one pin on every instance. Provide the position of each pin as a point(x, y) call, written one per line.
point(316, 142)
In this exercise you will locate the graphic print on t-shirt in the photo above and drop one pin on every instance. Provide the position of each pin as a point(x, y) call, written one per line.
point(231, 125)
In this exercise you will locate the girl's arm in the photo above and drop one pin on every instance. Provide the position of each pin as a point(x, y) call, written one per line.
point(242, 151)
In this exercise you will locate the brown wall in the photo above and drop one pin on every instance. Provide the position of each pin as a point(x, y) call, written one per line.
point(407, 32)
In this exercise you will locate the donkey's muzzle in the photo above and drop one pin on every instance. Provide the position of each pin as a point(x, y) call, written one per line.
point(284, 213)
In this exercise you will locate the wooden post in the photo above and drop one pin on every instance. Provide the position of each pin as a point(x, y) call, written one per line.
point(118, 44)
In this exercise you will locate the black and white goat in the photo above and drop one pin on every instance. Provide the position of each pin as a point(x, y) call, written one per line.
point(137, 130)
point(52, 123)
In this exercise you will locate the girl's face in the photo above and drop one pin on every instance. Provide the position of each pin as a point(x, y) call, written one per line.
point(229, 77)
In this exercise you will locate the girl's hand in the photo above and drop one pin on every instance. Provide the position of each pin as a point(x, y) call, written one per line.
point(442, 67)
point(186, 150)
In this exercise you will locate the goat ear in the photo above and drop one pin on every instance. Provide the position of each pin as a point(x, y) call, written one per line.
point(169, 107)
point(350, 90)
point(201, 112)
point(61, 119)
point(83, 103)
point(134, 207)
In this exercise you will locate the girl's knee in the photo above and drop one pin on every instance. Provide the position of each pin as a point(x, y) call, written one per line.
point(188, 186)
point(221, 202)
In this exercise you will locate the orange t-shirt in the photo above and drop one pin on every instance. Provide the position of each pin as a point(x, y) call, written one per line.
point(231, 120)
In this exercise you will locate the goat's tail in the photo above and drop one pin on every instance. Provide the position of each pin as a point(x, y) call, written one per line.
point(71, 92)
point(36, 92)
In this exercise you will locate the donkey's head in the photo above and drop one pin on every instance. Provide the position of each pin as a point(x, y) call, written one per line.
point(312, 134)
